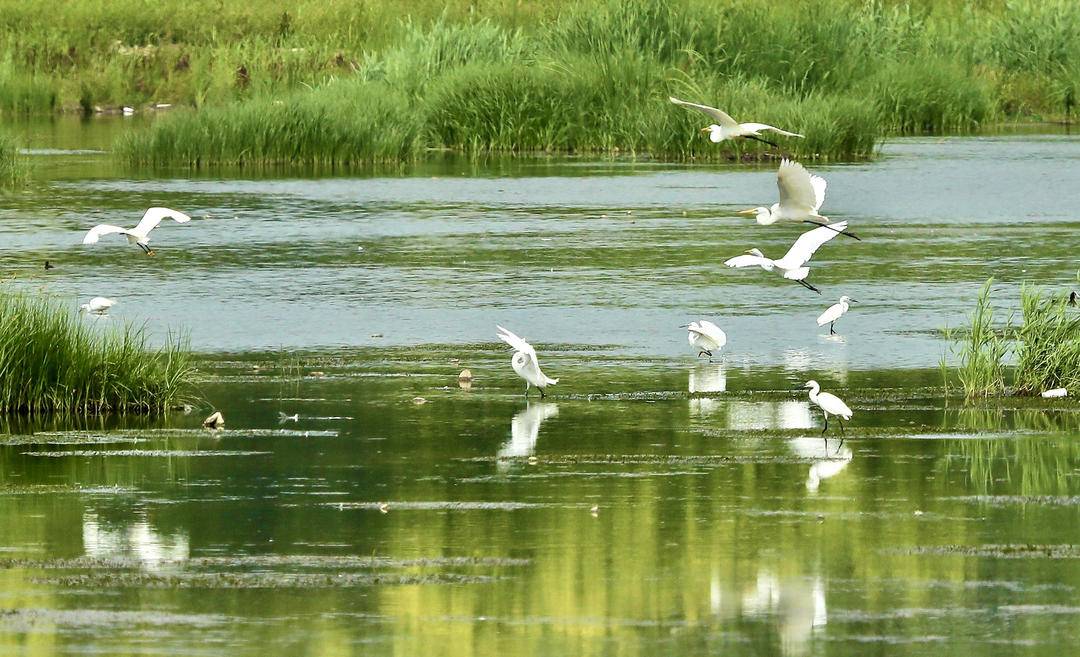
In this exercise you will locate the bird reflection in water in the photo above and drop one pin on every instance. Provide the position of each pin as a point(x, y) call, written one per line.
point(138, 542)
point(524, 432)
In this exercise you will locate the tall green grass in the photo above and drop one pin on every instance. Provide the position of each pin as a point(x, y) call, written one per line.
point(53, 361)
point(13, 167)
point(1045, 347)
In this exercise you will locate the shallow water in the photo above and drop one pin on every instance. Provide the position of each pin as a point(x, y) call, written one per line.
point(655, 504)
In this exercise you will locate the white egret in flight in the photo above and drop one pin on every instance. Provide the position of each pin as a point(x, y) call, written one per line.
point(97, 306)
point(525, 363)
point(835, 312)
point(140, 234)
point(793, 264)
point(801, 196)
point(829, 404)
point(726, 127)
point(705, 336)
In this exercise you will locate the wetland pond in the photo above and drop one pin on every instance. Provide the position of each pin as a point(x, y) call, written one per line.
point(360, 501)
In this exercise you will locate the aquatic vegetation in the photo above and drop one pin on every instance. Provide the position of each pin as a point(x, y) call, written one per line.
point(12, 166)
point(51, 361)
point(982, 351)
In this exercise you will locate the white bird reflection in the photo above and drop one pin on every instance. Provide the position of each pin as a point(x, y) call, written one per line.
point(769, 415)
point(798, 604)
point(706, 378)
point(138, 541)
point(828, 461)
point(524, 431)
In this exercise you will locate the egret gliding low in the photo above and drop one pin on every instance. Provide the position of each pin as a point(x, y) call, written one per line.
point(140, 234)
point(801, 196)
point(793, 264)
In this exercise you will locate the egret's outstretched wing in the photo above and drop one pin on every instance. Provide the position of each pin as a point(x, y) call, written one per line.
point(745, 261)
point(721, 117)
point(797, 192)
point(803, 249)
point(518, 344)
point(95, 233)
point(154, 216)
point(710, 331)
point(819, 185)
point(755, 127)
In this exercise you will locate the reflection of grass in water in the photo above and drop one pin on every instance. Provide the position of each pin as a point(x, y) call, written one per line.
point(1035, 465)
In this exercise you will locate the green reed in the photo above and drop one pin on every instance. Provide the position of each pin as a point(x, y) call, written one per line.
point(52, 360)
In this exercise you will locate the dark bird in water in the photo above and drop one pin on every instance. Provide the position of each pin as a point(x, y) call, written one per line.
point(1072, 298)
point(49, 266)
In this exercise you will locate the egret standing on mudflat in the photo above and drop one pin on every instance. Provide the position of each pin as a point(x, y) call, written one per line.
point(726, 127)
point(793, 264)
point(140, 234)
point(706, 336)
point(829, 404)
point(801, 196)
point(835, 312)
point(97, 306)
point(525, 363)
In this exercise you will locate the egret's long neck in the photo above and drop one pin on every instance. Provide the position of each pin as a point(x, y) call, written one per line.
point(814, 392)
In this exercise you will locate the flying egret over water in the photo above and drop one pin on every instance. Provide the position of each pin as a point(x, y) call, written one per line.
point(97, 306)
point(801, 196)
point(727, 128)
point(525, 363)
point(793, 264)
point(835, 312)
point(140, 234)
point(829, 404)
point(706, 336)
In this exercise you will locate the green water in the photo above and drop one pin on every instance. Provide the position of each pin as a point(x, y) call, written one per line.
point(653, 504)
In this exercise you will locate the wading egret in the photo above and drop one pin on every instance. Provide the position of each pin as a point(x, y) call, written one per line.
point(793, 264)
point(726, 127)
point(835, 312)
point(140, 234)
point(525, 363)
point(801, 196)
point(829, 404)
point(97, 306)
point(706, 337)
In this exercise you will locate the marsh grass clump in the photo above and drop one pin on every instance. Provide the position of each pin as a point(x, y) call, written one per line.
point(12, 166)
point(53, 361)
point(982, 351)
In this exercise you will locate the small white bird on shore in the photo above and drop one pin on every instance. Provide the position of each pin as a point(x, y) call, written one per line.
point(525, 362)
point(793, 264)
point(97, 306)
point(835, 312)
point(727, 128)
point(829, 404)
point(801, 196)
point(140, 234)
point(705, 336)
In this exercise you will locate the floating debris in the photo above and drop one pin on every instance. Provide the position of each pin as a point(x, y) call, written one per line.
point(214, 421)
point(465, 375)
point(1055, 392)
point(419, 400)
point(168, 453)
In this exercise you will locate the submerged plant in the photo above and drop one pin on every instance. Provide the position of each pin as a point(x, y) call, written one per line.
point(53, 361)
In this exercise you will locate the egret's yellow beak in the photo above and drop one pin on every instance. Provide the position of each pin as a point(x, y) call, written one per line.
point(706, 129)
point(750, 211)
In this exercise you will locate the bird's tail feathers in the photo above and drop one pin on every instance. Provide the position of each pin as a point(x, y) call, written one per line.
point(550, 381)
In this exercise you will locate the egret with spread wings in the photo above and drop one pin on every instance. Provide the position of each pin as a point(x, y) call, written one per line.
point(793, 265)
point(726, 127)
point(706, 337)
point(801, 196)
point(525, 363)
point(140, 234)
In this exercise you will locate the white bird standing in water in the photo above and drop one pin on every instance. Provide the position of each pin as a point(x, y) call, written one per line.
point(793, 264)
point(835, 312)
point(727, 128)
point(829, 404)
point(525, 363)
point(801, 196)
point(706, 337)
point(140, 234)
point(97, 306)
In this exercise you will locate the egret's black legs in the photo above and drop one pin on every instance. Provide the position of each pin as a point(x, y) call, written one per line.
point(807, 286)
point(832, 331)
point(764, 141)
point(703, 351)
point(826, 427)
point(542, 395)
point(825, 225)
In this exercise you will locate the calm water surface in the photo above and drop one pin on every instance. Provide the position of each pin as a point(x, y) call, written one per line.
point(360, 501)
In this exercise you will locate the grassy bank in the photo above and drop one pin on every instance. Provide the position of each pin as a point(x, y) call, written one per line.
point(515, 75)
point(1045, 347)
point(53, 361)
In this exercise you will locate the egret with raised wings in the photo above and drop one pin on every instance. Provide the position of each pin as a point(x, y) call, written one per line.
point(140, 234)
point(525, 363)
point(829, 404)
point(835, 312)
point(727, 128)
point(706, 337)
point(801, 196)
point(793, 264)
